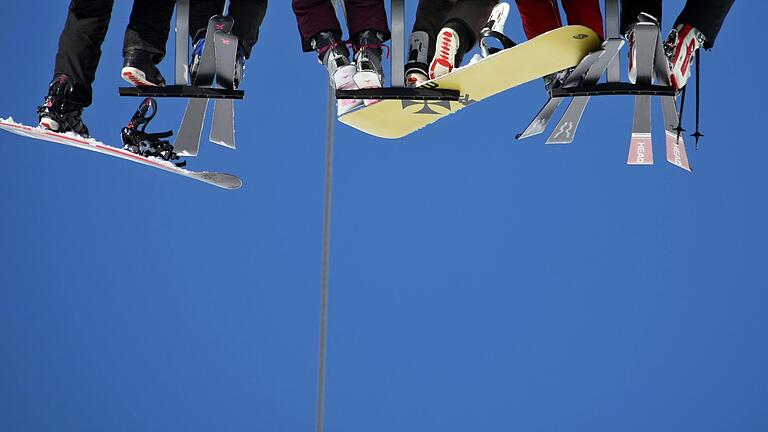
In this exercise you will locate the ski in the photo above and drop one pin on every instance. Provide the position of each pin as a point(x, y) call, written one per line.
point(565, 131)
point(675, 145)
point(542, 119)
point(223, 129)
point(222, 180)
point(641, 144)
point(188, 138)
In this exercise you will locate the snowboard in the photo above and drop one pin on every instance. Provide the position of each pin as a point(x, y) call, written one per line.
point(226, 181)
point(548, 53)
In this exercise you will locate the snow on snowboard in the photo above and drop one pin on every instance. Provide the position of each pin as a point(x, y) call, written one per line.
point(222, 180)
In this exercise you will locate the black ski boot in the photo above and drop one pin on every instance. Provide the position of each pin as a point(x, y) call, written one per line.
point(140, 70)
point(58, 113)
point(137, 140)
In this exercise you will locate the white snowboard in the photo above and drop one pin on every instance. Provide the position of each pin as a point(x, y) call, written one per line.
point(222, 180)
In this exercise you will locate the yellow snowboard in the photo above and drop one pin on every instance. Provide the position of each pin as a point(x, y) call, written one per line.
point(553, 51)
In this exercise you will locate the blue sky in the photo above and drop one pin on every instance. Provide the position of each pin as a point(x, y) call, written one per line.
point(477, 282)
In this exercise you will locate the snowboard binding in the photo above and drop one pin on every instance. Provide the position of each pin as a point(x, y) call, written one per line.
point(492, 37)
point(491, 40)
point(137, 140)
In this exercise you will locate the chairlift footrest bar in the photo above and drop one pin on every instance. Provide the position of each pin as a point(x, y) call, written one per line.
point(400, 93)
point(613, 89)
point(180, 91)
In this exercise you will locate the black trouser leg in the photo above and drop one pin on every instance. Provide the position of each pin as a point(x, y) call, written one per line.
point(630, 9)
point(200, 11)
point(707, 16)
point(80, 45)
point(149, 27)
point(248, 16)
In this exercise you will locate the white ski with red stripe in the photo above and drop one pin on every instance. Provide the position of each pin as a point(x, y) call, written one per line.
point(222, 180)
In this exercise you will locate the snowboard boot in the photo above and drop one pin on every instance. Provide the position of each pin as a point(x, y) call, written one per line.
point(58, 113)
point(140, 70)
point(368, 54)
point(632, 70)
point(451, 44)
point(334, 55)
point(416, 69)
point(680, 47)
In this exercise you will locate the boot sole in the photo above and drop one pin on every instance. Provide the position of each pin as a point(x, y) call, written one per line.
point(136, 77)
point(49, 124)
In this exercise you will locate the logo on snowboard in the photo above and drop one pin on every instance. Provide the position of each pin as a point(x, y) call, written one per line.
point(445, 105)
point(427, 106)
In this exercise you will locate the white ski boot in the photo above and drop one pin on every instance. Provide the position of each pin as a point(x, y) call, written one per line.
point(680, 47)
point(334, 55)
point(368, 53)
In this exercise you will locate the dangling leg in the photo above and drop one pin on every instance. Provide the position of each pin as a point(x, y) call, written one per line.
point(321, 32)
point(145, 40)
point(539, 16)
point(248, 16)
point(368, 30)
point(430, 16)
point(459, 33)
point(586, 13)
point(697, 26)
point(76, 62)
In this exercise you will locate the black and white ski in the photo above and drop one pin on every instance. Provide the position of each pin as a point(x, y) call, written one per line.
point(565, 131)
point(188, 138)
point(542, 119)
point(641, 144)
point(223, 129)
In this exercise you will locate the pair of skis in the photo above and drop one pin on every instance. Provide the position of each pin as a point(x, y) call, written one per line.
point(650, 61)
point(217, 65)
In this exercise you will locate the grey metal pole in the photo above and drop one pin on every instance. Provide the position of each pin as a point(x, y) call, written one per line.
point(398, 43)
point(612, 32)
point(182, 42)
